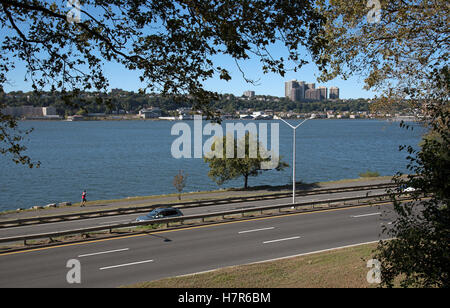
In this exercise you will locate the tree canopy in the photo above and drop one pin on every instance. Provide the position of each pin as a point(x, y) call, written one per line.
point(398, 53)
point(66, 45)
point(401, 48)
point(169, 43)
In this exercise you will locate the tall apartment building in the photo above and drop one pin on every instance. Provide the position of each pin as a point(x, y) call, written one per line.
point(294, 90)
point(297, 94)
point(334, 93)
point(312, 94)
point(323, 93)
point(301, 91)
point(288, 86)
point(310, 86)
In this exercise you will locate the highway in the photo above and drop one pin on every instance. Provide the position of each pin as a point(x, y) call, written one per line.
point(146, 257)
point(94, 222)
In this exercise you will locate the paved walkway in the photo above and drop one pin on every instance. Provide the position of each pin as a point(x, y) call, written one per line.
point(144, 201)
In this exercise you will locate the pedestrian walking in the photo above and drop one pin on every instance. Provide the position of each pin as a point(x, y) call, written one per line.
point(83, 198)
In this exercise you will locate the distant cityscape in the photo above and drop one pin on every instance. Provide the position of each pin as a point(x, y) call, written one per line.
point(302, 100)
point(301, 91)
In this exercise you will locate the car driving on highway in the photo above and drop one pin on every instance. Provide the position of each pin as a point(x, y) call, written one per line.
point(160, 213)
point(405, 188)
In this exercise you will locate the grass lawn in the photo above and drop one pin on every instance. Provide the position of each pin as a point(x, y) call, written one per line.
point(340, 268)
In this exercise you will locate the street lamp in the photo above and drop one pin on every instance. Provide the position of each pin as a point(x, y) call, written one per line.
point(294, 128)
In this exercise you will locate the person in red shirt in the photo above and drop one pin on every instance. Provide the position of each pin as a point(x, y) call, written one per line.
point(83, 198)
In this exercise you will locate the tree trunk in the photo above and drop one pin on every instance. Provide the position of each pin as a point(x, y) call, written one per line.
point(245, 181)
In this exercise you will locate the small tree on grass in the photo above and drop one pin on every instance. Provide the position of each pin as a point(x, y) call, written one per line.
point(224, 169)
point(179, 182)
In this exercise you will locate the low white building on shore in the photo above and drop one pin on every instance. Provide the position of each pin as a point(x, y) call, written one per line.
point(150, 113)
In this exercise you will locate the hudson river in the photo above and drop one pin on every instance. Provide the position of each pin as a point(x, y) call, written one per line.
point(119, 159)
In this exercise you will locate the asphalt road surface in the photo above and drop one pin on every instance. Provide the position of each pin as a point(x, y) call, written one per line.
point(95, 222)
point(147, 257)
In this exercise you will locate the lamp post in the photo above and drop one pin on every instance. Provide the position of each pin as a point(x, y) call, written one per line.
point(294, 128)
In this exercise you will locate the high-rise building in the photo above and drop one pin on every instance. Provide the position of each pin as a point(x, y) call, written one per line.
point(310, 85)
point(312, 94)
point(300, 91)
point(288, 86)
point(295, 90)
point(334, 93)
point(297, 94)
point(323, 92)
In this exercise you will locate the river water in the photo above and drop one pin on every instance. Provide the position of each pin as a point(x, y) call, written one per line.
point(118, 159)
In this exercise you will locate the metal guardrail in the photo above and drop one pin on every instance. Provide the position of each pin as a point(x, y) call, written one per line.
point(182, 205)
point(182, 219)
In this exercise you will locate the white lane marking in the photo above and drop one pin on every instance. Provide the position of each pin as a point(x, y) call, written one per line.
point(255, 230)
point(282, 239)
point(102, 252)
point(364, 215)
point(126, 264)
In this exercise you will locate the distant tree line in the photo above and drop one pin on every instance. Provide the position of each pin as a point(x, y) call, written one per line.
point(132, 102)
point(231, 103)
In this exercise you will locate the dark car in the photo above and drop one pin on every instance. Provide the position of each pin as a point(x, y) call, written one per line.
point(160, 213)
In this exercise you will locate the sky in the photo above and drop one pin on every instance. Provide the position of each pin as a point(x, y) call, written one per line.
point(273, 84)
point(266, 84)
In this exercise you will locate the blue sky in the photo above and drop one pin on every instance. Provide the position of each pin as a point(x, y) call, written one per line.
point(273, 84)
point(267, 84)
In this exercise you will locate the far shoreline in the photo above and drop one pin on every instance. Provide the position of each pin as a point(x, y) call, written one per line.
point(181, 120)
